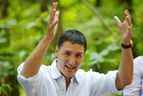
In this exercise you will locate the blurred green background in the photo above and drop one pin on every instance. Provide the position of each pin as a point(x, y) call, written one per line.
point(24, 22)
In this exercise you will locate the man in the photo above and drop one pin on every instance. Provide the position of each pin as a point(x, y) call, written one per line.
point(63, 77)
point(136, 87)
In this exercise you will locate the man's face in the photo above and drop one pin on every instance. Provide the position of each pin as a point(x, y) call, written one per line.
point(70, 56)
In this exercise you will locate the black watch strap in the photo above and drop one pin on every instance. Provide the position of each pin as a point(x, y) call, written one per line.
point(126, 46)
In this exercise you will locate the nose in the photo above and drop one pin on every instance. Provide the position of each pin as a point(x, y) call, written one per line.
point(72, 61)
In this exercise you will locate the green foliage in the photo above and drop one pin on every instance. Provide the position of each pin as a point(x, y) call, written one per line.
point(5, 89)
point(26, 24)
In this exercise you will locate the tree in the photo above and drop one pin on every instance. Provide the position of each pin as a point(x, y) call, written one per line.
point(98, 3)
point(128, 4)
point(4, 8)
point(44, 5)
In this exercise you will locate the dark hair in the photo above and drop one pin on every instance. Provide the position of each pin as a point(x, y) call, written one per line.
point(73, 36)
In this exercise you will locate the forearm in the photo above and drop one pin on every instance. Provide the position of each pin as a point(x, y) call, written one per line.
point(125, 73)
point(33, 62)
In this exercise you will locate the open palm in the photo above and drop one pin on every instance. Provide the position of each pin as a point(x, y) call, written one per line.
point(125, 27)
point(53, 20)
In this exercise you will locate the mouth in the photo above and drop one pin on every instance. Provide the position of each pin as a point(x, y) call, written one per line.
point(70, 67)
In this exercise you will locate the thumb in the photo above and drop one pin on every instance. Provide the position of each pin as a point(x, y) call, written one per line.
point(118, 21)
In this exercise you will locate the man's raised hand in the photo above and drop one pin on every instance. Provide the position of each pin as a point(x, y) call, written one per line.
point(125, 27)
point(53, 20)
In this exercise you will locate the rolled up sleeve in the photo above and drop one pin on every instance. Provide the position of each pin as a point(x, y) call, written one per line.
point(29, 83)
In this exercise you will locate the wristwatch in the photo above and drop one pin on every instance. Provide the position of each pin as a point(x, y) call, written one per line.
point(126, 46)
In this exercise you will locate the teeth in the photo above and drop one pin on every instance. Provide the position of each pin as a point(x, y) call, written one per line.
point(70, 67)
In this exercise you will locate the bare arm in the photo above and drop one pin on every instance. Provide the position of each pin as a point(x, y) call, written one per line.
point(134, 89)
point(33, 62)
point(125, 74)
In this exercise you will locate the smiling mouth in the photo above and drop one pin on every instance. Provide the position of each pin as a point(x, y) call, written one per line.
point(71, 68)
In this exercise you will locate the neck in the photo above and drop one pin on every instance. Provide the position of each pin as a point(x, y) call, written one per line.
point(67, 81)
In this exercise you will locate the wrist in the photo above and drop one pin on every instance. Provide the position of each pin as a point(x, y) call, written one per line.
point(126, 45)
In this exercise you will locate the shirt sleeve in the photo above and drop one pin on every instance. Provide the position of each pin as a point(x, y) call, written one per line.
point(104, 83)
point(31, 82)
point(135, 87)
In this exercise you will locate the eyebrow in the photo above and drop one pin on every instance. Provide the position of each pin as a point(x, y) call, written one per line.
point(74, 52)
point(79, 53)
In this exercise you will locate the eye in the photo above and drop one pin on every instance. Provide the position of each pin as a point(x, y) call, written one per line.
point(79, 55)
point(67, 53)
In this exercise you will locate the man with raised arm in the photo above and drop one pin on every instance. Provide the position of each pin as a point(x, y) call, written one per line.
point(63, 77)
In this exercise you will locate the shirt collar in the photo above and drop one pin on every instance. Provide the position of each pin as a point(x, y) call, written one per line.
point(55, 73)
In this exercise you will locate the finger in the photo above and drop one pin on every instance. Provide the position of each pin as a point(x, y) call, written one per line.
point(126, 20)
point(130, 29)
point(55, 21)
point(127, 14)
point(56, 18)
point(117, 20)
point(129, 32)
point(57, 15)
point(129, 21)
point(54, 5)
point(54, 8)
point(53, 11)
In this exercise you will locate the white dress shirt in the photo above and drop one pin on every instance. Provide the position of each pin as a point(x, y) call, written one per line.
point(49, 82)
point(134, 89)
